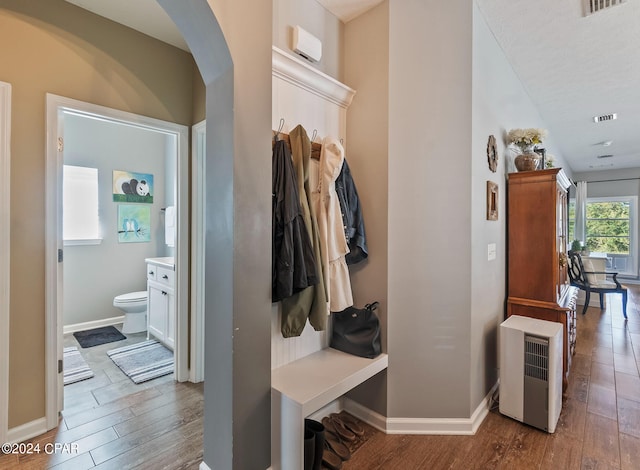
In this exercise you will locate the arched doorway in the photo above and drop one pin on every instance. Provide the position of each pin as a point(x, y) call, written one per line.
point(238, 233)
point(237, 403)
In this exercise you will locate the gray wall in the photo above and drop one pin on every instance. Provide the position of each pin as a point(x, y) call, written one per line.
point(429, 298)
point(239, 204)
point(494, 87)
point(367, 71)
point(500, 102)
point(95, 274)
point(450, 87)
point(236, 70)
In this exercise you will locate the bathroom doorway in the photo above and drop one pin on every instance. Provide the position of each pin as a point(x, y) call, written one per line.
point(108, 265)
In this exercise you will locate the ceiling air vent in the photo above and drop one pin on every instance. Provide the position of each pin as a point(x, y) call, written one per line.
point(595, 6)
point(604, 156)
point(605, 117)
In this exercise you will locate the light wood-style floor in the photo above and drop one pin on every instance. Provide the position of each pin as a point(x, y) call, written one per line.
point(109, 422)
point(160, 425)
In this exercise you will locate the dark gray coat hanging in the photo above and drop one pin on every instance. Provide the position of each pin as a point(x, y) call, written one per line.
point(352, 218)
point(293, 262)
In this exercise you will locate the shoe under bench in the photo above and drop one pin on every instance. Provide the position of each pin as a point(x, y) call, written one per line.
point(302, 387)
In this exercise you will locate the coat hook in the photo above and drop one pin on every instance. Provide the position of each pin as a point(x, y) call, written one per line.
point(280, 126)
point(314, 135)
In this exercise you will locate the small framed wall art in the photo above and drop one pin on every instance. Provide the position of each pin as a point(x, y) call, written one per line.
point(492, 200)
point(132, 187)
point(134, 223)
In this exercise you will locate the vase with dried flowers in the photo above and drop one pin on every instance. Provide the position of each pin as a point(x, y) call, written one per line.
point(525, 140)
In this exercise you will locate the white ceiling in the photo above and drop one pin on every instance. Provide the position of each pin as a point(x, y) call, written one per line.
point(573, 67)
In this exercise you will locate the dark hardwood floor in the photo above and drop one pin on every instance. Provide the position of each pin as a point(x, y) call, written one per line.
point(159, 425)
point(599, 427)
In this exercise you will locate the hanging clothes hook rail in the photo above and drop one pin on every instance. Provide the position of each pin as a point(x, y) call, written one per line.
point(315, 146)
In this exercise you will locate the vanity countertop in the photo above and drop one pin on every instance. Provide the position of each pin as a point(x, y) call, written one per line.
point(166, 262)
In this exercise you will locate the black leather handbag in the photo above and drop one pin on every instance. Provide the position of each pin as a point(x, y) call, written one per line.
point(357, 331)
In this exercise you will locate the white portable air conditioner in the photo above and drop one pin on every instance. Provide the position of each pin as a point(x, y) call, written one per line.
point(531, 371)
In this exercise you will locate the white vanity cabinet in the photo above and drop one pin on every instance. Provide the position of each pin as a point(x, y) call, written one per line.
point(161, 315)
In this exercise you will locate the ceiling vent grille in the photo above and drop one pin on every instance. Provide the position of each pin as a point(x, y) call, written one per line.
point(595, 6)
point(605, 117)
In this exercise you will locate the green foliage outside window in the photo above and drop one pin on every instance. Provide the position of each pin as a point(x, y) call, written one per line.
point(608, 227)
point(572, 219)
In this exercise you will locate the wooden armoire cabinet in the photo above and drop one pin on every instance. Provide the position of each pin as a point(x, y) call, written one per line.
point(537, 283)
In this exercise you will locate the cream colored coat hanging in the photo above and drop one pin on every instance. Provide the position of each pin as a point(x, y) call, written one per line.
point(332, 239)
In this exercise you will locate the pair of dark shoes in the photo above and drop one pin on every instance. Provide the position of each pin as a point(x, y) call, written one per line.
point(340, 429)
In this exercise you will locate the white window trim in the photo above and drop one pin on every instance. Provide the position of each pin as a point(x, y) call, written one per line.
point(88, 241)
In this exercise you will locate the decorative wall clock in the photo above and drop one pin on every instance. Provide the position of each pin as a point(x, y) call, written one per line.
point(492, 153)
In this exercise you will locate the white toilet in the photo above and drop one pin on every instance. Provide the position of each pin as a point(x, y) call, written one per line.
point(134, 306)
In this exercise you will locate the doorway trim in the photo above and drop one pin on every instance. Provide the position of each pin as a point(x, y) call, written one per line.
point(198, 247)
point(5, 242)
point(55, 106)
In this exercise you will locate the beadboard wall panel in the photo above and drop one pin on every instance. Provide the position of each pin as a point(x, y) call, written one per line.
point(304, 95)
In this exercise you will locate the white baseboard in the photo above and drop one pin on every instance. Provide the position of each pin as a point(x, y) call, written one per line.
point(436, 426)
point(27, 431)
point(483, 408)
point(204, 466)
point(89, 325)
point(444, 426)
point(465, 426)
point(363, 413)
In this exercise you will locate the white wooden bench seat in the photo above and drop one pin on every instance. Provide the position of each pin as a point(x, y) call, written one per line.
point(302, 387)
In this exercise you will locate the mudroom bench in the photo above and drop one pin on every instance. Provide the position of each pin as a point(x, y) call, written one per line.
point(302, 387)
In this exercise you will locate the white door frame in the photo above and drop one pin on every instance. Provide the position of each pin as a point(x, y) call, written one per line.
point(198, 236)
point(56, 105)
point(5, 239)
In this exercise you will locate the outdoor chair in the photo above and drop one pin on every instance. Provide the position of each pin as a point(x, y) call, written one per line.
point(585, 279)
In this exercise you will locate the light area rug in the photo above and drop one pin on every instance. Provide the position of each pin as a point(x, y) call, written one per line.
point(143, 361)
point(75, 368)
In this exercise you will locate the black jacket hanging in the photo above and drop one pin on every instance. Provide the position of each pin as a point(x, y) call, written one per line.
point(293, 262)
point(352, 219)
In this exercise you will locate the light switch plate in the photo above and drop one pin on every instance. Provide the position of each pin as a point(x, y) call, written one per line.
point(491, 251)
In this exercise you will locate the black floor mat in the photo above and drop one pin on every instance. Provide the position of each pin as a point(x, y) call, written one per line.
point(97, 336)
